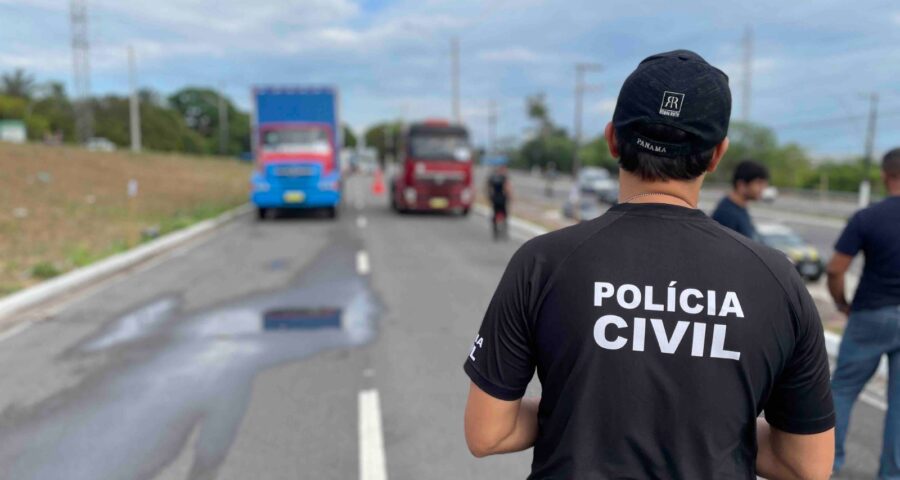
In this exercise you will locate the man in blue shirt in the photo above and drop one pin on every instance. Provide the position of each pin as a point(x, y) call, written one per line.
point(749, 180)
point(873, 328)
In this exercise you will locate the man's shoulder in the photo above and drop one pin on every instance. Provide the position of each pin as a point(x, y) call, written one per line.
point(724, 208)
point(775, 260)
point(878, 210)
point(555, 246)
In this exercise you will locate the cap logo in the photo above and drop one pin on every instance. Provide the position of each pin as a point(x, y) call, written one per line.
point(650, 146)
point(671, 104)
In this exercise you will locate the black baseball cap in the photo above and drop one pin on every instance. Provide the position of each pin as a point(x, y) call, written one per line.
point(679, 89)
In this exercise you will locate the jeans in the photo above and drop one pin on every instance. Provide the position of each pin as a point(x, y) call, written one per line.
point(869, 335)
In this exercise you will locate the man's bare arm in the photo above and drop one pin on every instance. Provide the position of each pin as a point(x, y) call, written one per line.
point(498, 426)
point(836, 269)
point(786, 456)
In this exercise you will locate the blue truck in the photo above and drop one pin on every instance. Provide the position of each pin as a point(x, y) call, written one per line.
point(296, 145)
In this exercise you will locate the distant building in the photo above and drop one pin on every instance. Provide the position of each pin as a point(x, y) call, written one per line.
point(13, 131)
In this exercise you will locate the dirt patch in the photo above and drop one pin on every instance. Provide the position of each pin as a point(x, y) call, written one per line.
point(64, 207)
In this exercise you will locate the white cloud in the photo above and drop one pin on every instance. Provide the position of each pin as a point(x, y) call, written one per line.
point(605, 107)
point(510, 55)
point(233, 16)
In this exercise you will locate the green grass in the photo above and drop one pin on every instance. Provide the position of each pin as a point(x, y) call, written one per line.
point(44, 270)
point(186, 218)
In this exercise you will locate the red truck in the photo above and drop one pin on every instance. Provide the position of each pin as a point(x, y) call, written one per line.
point(435, 169)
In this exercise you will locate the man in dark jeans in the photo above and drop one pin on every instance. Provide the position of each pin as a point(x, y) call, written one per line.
point(658, 336)
point(873, 328)
point(747, 185)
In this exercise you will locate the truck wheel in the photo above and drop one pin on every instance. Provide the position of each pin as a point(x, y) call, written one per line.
point(464, 212)
point(261, 213)
point(332, 212)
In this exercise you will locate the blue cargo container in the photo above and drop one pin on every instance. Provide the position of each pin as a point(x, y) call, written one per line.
point(296, 143)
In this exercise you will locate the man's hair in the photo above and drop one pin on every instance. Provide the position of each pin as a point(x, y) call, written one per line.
point(891, 162)
point(748, 171)
point(652, 167)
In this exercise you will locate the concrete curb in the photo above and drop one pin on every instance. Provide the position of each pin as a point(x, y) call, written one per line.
point(44, 291)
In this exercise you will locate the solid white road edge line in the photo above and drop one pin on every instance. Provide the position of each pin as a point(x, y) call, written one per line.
point(362, 262)
point(372, 463)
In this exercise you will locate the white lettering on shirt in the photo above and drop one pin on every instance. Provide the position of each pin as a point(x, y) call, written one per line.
point(613, 332)
point(600, 332)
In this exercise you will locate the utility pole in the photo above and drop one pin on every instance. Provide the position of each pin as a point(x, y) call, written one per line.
point(134, 106)
point(81, 69)
point(223, 121)
point(865, 188)
point(454, 73)
point(746, 85)
point(492, 125)
point(580, 70)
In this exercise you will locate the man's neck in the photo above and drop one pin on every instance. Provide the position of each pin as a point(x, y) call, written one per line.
point(738, 199)
point(633, 189)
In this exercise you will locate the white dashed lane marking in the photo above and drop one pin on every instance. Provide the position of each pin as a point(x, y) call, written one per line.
point(362, 262)
point(372, 464)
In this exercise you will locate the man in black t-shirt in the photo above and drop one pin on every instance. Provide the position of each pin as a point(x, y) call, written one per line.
point(658, 336)
point(873, 328)
point(749, 181)
point(498, 193)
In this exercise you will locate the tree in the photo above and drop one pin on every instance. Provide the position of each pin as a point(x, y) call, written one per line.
point(788, 165)
point(385, 138)
point(349, 137)
point(596, 154)
point(536, 108)
point(53, 104)
point(17, 84)
point(199, 108)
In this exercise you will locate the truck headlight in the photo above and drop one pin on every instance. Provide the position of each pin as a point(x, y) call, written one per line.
point(465, 195)
point(409, 194)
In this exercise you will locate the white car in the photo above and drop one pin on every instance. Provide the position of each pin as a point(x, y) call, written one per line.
point(595, 180)
point(100, 144)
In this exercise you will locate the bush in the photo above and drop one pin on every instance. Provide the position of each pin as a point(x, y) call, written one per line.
point(44, 270)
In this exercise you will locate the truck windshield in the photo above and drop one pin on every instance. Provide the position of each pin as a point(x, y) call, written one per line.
point(312, 140)
point(440, 147)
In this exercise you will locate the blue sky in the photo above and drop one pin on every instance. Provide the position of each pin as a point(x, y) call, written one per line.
point(814, 62)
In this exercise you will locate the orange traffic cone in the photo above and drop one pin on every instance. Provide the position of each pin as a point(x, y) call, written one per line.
point(378, 183)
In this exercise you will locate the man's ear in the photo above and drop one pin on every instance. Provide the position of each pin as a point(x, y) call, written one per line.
point(718, 153)
point(610, 134)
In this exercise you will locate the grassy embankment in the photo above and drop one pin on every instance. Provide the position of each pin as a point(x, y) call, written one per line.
point(65, 207)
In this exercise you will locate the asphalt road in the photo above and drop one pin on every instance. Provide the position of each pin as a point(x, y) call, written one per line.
point(285, 349)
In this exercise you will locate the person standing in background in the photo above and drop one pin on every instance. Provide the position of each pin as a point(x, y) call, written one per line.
point(747, 185)
point(873, 327)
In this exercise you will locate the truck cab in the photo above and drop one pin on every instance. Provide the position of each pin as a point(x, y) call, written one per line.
point(296, 148)
point(435, 169)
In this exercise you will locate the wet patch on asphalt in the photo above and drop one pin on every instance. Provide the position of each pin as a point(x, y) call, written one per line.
point(169, 373)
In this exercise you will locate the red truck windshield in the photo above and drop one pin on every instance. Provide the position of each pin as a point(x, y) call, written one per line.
point(313, 140)
point(439, 147)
